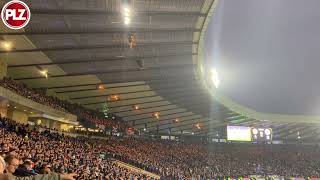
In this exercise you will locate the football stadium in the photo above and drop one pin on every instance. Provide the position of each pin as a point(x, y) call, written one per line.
point(159, 90)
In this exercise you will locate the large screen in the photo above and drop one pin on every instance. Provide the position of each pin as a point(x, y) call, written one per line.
point(238, 133)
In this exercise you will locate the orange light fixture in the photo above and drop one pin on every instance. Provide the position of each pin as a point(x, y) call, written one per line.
point(101, 87)
point(176, 120)
point(156, 115)
point(114, 98)
point(136, 107)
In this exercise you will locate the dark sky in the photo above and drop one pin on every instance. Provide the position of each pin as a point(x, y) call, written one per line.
point(267, 54)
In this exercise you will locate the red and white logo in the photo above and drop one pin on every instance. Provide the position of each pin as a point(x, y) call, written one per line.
point(15, 14)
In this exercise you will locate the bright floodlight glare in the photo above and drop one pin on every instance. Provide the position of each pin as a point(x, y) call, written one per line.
point(44, 73)
point(215, 78)
point(126, 10)
point(126, 20)
point(6, 45)
point(126, 13)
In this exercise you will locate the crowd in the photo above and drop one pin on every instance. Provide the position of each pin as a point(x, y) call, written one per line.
point(28, 152)
point(45, 152)
point(85, 116)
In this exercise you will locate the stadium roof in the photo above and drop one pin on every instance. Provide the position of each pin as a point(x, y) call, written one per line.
point(84, 44)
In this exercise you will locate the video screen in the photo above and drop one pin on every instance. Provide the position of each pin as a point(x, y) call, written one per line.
point(238, 133)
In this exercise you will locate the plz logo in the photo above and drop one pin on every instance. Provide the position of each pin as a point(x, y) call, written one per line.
point(15, 14)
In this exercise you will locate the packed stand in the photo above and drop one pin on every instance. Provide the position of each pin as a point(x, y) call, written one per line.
point(172, 160)
point(85, 116)
point(45, 152)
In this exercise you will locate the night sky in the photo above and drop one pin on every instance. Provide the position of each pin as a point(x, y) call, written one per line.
point(267, 54)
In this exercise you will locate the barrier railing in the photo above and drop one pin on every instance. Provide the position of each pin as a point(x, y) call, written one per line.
point(137, 170)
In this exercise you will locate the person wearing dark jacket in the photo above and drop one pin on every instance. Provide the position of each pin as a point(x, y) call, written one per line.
point(24, 169)
point(52, 176)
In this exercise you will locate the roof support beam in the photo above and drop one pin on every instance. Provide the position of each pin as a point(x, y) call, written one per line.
point(153, 96)
point(145, 81)
point(97, 47)
point(216, 110)
point(157, 91)
point(179, 85)
point(164, 119)
point(164, 110)
point(111, 59)
point(99, 12)
point(140, 119)
point(177, 100)
point(101, 31)
point(185, 120)
point(150, 112)
point(110, 72)
point(151, 107)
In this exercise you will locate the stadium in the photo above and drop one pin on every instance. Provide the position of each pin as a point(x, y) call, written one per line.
point(159, 89)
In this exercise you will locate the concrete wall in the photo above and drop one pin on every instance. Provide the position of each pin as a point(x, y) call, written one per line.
point(3, 108)
point(34, 105)
point(3, 68)
point(18, 116)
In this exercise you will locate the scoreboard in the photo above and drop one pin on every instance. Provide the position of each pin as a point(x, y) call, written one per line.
point(261, 134)
point(243, 133)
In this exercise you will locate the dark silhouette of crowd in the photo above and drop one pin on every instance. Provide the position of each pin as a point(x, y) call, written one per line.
point(45, 152)
point(88, 117)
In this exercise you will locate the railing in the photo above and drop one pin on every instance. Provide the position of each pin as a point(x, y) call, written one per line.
point(137, 170)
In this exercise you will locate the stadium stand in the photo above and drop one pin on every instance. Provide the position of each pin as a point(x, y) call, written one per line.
point(93, 158)
point(85, 116)
point(138, 79)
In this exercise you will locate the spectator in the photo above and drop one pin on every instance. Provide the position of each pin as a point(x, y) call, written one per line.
point(12, 163)
point(26, 169)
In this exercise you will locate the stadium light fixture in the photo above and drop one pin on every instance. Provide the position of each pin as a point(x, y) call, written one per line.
point(126, 12)
point(136, 107)
point(126, 20)
point(114, 98)
point(215, 78)
point(101, 87)
point(7, 45)
point(44, 73)
point(198, 126)
point(156, 115)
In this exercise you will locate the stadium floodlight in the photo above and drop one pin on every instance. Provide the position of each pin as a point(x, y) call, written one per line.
point(44, 73)
point(126, 20)
point(215, 78)
point(7, 45)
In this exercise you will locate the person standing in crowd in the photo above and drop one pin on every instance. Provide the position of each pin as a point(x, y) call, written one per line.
point(12, 163)
point(25, 169)
point(9, 176)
